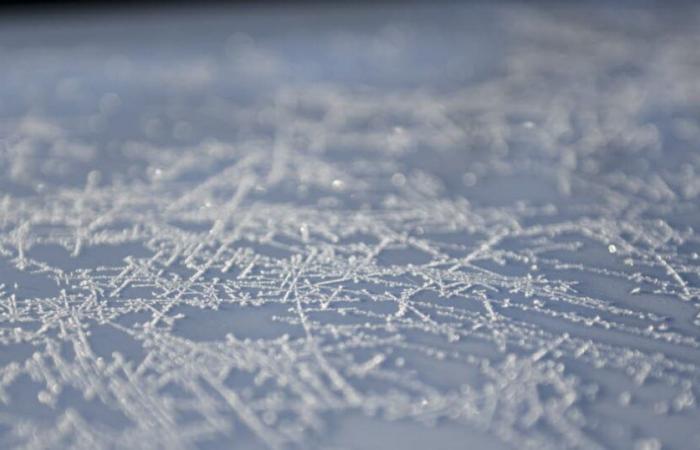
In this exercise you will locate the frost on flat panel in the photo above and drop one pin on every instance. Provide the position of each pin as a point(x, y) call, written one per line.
point(492, 245)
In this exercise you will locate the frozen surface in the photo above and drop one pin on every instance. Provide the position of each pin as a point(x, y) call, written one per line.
point(415, 227)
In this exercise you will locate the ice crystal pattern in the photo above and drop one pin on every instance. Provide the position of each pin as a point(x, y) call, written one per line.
point(484, 232)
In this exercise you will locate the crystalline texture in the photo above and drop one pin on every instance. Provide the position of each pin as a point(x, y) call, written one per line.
point(463, 225)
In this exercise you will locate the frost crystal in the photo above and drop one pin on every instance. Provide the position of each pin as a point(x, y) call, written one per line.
point(467, 225)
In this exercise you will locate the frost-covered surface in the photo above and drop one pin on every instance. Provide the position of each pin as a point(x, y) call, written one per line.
point(451, 228)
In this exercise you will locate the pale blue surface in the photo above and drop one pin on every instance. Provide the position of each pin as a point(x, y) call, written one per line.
point(352, 228)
